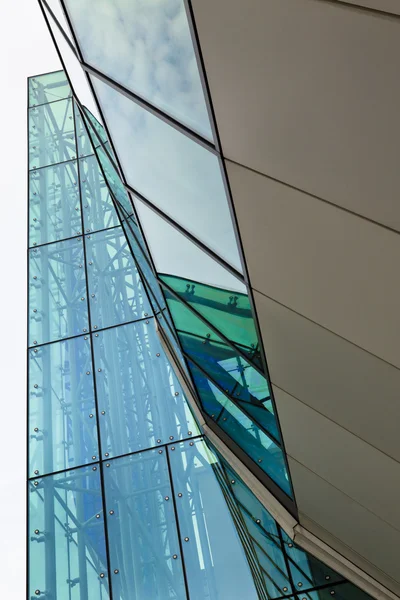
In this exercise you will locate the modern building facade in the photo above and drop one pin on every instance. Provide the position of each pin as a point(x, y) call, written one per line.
point(157, 462)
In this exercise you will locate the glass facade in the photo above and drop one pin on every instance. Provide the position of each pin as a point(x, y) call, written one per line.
point(140, 316)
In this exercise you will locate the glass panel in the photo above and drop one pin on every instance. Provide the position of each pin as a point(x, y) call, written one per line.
point(57, 292)
point(114, 181)
point(58, 12)
point(51, 134)
point(116, 291)
point(94, 124)
point(142, 533)
point(54, 206)
point(224, 366)
point(138, 391)
point(67, 555)
point(97, 206)
point(85, 147)
point(345, 591)
point(243, 430)
point(216, 561)
point(48, 88)
point(147, 47)
point(178, 175)
point(62, 419)
point(74, 70)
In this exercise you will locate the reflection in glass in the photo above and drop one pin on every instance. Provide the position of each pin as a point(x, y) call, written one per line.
point(97, 206)
point(62, 417)
point(116, 291)
point(67, 554)
point(178, 175)
point(54, 206)
point(51, 134)
point(216, 561)
point(146, 47)
point(48, 88)
point(138, 391)
point(143, 538)
point(57, 292)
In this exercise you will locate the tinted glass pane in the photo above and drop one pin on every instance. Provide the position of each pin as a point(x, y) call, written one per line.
point(147, 47)
point(345, 591)
point(97, 206)
point(142, 531)
point(215, 559)
point(116, 291)
point(62, 419)
point(114, 181)
point(137, 389)
point(54, 206)
point(48, 88)
point(57, 292)
point(85, 147)
point(67, 556)
point(171, 170)
point(94, 123)
point(51, 134)
point(242, 429)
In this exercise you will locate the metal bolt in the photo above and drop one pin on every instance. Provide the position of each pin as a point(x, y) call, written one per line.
point(180, 495)
point(108, 464)
point(84, 330)
point(107, 454)
point(290, 545)
point(176, 393)
point(34, 277)
point(37, 531)
point(88, 373)
point(35, 342)
point(97, 335)
point(232, 481)
point(36, 472)
point(191, 443)
point(35, 483)
point(258, 521)
point(86, 337)
point(94, 469)
point(90, 416)
point(82, 298)
point(160, 452)
point(158, 354)
point(300, 584)
point(111, 512)
point(92, 295)
point(166, 498)
point(327, 577)
point(37, 592)
point(93, 458)
point(158, 441)
point(35, 350)
point(147, 322)
point(260, 460)
point(36, 429)
point(116, 571)
point(36, 385)
point(189, 433)
point(285, 589)
point(90, 263)
point(35, 310)
point(103, 412)
point(99, 370)
point(102, 575)
point(173, 448)
point(174, 556)
point(186, 539)
point(95, 327)
point(171, 437)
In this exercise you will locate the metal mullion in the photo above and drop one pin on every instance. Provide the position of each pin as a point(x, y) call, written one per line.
point(73, 237)
point(62, 162)
point(58, 24)
point(51, 101)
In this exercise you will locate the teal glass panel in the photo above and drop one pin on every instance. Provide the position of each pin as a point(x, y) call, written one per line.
point(54, 206)
point(48, 88)
point(150, 52)
point(221, 362)
point(57, 292)
point(67, 554)
point(85, 147)
point(97, 206)
point(143, 540)
point(94, 123)
point(244, 431)
point(62, 415)
point(345, 591)
point(114, 181)
point(116, 292)
point(138, 391)
point(216, 560)
point(178, 175)
point(51, 134)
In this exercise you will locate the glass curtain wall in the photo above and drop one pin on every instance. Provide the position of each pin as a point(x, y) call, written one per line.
point(127, 500)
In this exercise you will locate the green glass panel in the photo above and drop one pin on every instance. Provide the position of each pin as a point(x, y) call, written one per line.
point(114, 181)
point(54, 206)
point(85, 147)
point(48, 88)
point(143, 540)
point(62, 415)
point(151, 53)
point(67, 553)
point(97, 205)
point(97, 126)
point(51, 134)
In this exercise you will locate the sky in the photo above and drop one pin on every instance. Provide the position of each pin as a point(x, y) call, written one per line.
point(26, 49)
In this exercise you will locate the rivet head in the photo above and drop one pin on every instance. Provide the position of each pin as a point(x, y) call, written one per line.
point(97, 516)
point(107, 465)
point(36, 385)
point(95, 327)
point(84, 330)
point(189, 433)
point(171, 437)
point(103, 412)
point(258, 521)
point(94, 469)
point(99, 370)
point(93, 458)
point(96, 335)
point(327, 577)
point(290, 545)
point(285, 589)
point(87, 372)
point(158, 441)
point(92, 295)
point(176, 393)
point(300, 584)
point(82, 298)
point(36, 472)
point(35, 342)
point(160, 452)
point(36, 429)
point(102, 575)
point(260, 460)
point(37, 592)
point(86, 337)
point(116, 571)
point(37, 531)
point(186, 539)
point(158, 354)
point(180, 495)
point(90, 416)
point(35, 483)
point(111, 512)
point(166, 498)
point(35, 350)
point(35, 310)
point(191, 443)
point(172, 448)
point(232, 481)
point(332, 593)
point(107, 454)
point(174, 556)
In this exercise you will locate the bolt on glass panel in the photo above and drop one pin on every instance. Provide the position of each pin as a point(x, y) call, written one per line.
point(48, 88)
point(178, 175)
point(51, 134)
point(54, 206)
point(67, 553)
point(145, 557)
point(62, 413)
point(97, 205)
point(116, 291)
point(146, 47)
point(216, 560)
point(140, 400)
point(57, 292)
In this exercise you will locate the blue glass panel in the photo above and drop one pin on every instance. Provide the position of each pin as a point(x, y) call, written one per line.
point(57, 292)
point(178, 175)
point(62, 415)
point(138, 391)
point(147, 47)
point(216, 561)
point(85, 147)
point(116, 291)
point(67, 555)
point(54, 206)
point(242, 429)
point(48, 88)
point(51, 134)
point(143, 540)
point(97, 206)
